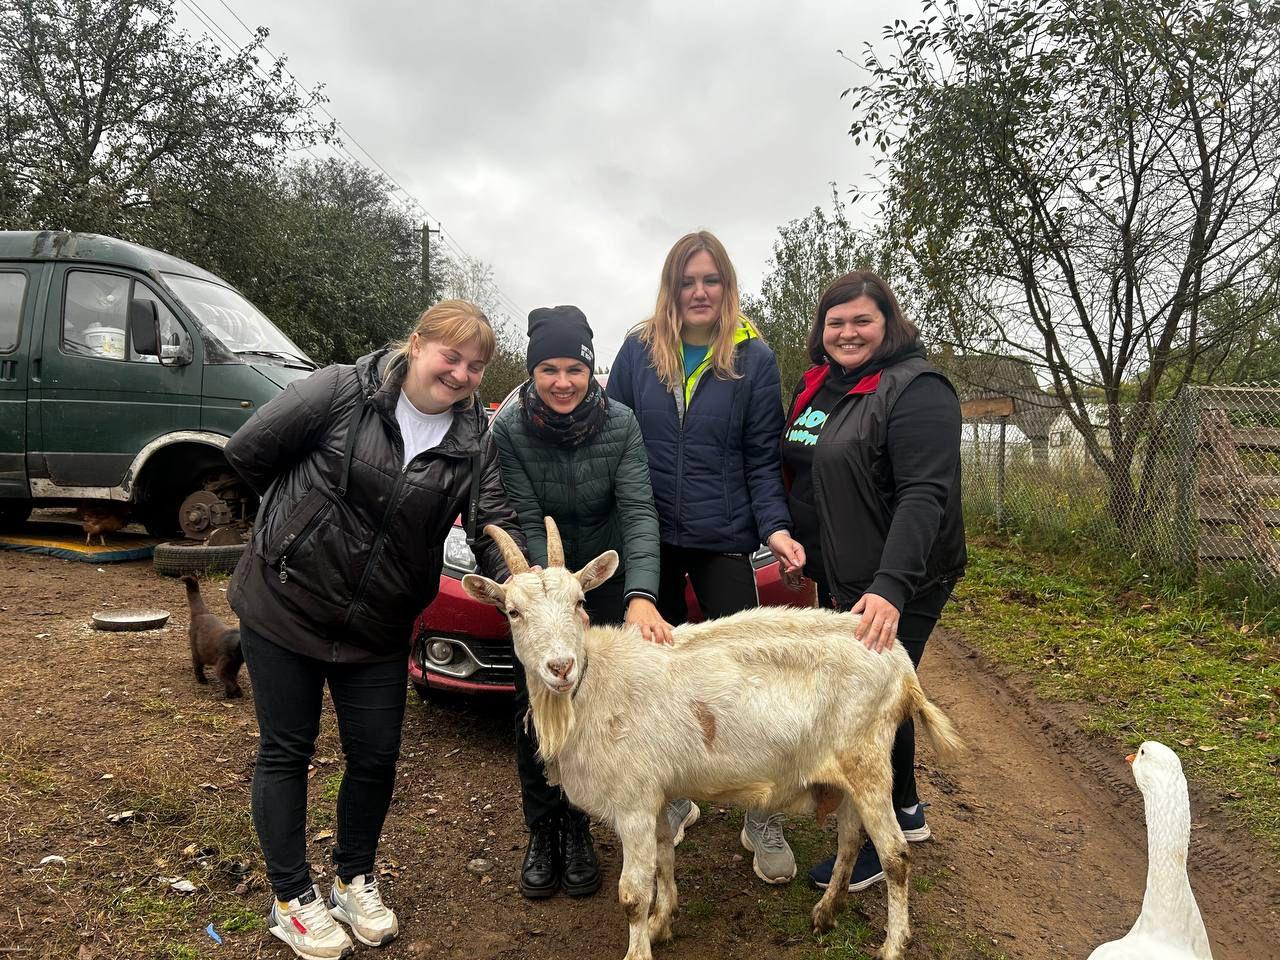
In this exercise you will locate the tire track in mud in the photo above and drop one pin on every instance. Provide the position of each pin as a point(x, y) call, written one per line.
point(1045, 833)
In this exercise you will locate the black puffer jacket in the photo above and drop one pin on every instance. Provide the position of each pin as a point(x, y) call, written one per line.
point(342, 575)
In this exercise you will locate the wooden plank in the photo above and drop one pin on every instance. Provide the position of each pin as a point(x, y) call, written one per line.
point(1243, 496)
point(1213, 514)
point(1219, 485)
point(987, 407)
point(1260, 439)
point(1218, 547)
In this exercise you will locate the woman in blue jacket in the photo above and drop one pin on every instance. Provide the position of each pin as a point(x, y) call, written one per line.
point(706, 391)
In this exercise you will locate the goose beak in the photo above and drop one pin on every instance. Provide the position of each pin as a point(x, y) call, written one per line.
point(1130, 758)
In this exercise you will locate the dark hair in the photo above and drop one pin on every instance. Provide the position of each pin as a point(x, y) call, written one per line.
point(899, 332)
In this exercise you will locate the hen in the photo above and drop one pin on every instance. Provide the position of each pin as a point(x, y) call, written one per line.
point(99, 519)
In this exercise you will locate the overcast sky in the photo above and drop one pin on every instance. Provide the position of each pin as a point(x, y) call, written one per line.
point(570, 144)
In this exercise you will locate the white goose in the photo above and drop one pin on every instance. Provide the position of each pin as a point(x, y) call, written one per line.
point(1169, 926)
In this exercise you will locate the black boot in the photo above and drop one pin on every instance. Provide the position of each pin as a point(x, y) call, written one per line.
point(540, 873)
point(578, 854)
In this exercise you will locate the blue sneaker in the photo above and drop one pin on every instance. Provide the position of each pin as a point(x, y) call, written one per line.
point(913, 825)
point(866, 870)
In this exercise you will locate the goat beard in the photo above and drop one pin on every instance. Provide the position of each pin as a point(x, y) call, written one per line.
point(553, 719)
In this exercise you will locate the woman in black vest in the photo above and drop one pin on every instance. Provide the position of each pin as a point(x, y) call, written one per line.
point(872, 454)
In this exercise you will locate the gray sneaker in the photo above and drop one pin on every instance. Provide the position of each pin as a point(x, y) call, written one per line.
point(762, 835)
point(681, 814)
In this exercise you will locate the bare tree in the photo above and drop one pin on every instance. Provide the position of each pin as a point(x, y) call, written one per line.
point(1075, 183)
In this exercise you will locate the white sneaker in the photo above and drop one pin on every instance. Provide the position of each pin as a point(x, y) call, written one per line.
point(359, 905)
point(305, 925)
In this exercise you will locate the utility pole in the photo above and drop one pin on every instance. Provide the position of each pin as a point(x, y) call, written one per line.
point(426, 255)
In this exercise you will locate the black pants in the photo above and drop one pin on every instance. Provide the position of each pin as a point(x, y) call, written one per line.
point(539, 799)
point(914, 626)
point(724, 583)
point(288, 691)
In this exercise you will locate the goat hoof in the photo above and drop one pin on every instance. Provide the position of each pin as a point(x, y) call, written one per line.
point(824, 919)
point(659, 933)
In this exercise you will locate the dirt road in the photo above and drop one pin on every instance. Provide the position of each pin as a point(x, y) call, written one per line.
point(1039, 848)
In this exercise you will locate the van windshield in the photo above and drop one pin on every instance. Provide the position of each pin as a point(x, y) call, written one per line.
point(241, 326)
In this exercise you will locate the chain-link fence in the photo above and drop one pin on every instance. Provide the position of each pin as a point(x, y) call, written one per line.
point(1187, 484)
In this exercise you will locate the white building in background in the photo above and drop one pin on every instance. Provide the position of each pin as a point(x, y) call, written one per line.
point(1067, 446)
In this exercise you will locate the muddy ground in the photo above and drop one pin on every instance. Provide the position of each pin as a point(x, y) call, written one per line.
point(1039, 848)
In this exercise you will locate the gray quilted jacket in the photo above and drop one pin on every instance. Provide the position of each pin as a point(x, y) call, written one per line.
point(598, 494)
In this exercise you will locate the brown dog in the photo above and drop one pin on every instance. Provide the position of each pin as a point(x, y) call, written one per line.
point(213, 643)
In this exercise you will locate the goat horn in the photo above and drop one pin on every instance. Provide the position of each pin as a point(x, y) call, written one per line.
point(555, 549)
point(515, 560)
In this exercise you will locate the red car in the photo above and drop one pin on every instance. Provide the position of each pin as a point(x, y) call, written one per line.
point(461, 646)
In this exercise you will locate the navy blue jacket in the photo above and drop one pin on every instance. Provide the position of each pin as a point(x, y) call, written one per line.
point(717, 476)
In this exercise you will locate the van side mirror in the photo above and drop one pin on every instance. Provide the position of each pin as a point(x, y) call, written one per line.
point(144, 328)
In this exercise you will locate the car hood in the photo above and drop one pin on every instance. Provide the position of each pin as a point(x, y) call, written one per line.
point(280, 375)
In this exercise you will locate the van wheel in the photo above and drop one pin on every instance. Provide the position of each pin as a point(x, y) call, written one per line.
point(14, 513)
point(182, 557)
point(160, 520)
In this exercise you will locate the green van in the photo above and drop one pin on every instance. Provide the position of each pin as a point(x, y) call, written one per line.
point(123, 372)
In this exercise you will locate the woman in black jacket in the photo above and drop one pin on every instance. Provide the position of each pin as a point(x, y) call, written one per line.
point(872, 454)
point(362, 469)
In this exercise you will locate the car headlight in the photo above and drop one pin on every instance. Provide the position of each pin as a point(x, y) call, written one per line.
point(457, 555)
point(440, 651)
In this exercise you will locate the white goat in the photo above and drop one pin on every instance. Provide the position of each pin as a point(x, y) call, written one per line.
point(772, 708)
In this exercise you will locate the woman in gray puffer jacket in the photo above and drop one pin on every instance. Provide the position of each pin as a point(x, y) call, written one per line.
point(569, 452)
point(361, 469)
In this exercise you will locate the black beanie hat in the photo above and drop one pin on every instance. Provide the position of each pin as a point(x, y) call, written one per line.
point(559, 332)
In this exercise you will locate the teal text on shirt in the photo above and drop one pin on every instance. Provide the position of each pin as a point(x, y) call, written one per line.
point(807, 426)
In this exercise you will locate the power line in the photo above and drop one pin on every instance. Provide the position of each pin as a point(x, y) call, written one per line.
point(409, 201)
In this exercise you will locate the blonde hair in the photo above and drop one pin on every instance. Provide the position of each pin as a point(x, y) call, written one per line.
point(661, 332)
point(453, 323)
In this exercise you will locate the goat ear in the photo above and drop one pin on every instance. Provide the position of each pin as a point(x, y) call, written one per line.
point(598, 570)
point(485, 590)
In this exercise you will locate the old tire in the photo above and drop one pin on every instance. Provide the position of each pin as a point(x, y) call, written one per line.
point(182, 557)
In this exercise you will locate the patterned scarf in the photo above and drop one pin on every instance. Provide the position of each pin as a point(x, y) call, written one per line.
point(565, 429)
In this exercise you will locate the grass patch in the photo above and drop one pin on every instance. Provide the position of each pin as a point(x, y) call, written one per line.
point(789, 914)
point(924, 882)
point(1149, 660)
point(240, 919)
point(217, 722)
point(947, 944)
point(25, 771)
point(332, 784)
point(158, 706)
point(154, 911)
point(697, 909)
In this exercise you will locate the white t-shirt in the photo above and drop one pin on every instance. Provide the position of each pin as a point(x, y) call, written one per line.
point(421, 431)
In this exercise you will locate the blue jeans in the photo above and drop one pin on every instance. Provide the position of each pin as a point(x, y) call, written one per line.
point(288, 693)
